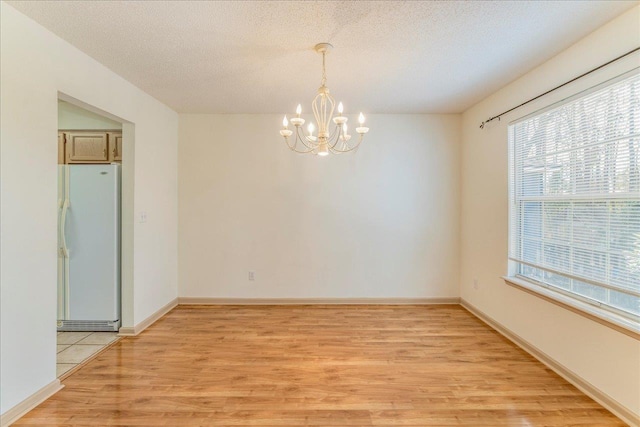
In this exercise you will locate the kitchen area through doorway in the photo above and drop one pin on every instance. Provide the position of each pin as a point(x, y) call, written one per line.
point(89, 236)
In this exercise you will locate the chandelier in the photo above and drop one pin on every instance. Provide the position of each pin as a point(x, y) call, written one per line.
point(336, 141)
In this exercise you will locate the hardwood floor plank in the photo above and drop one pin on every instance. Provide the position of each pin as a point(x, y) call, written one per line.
point(317, 366)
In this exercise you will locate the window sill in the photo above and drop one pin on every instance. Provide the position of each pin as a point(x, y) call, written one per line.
point(611, 320)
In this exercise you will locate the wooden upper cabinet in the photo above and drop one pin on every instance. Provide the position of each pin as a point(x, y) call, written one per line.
point(87, 147)
point(115, 146)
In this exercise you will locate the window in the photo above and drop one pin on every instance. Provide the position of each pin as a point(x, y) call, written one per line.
point(575, 196)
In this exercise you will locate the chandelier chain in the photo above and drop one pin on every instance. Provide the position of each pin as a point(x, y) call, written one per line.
point(324, 71)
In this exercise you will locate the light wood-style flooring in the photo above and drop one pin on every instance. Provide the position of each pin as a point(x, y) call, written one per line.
point(317, 366)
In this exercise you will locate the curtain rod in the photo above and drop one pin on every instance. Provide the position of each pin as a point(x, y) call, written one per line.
point(557, 87)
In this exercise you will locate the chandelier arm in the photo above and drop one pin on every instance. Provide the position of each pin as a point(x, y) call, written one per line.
point(351, 148)
point(338, 129)
point(295, 150)
point(348, 150)
point(323, 101)
point(295, 144)
point(339, 147)
point(304, 139)
point(336, 136)
point(302, 152)
point(323, 112)
point(314, 107)
point(289, 146)
point(332, 101)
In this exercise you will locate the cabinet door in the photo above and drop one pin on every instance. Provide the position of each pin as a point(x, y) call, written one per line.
point(61, 155)
point(87, 147)
point(115, 146)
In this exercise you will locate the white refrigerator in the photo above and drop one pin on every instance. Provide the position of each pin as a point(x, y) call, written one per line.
point(89, 247)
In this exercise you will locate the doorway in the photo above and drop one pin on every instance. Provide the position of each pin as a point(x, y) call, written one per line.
point(90, 293)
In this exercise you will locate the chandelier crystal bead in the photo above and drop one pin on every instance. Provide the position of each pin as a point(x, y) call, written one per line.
point(336, 141)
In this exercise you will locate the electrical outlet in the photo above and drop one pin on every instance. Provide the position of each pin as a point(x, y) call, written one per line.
point(252, 276)
point(475, 283)
point(143, 217)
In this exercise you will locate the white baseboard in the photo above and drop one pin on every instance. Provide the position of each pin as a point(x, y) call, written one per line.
point(621, 411)
point(15, 413)
point(126, 331)
point(133, 331)
point(316, 301)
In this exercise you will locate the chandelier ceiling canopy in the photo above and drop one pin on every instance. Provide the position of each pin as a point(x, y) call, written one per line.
point(336, 140)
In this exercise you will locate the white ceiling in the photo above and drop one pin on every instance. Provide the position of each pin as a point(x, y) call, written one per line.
point(257, 57)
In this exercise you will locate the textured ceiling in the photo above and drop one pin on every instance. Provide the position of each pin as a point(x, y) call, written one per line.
point(257, 57)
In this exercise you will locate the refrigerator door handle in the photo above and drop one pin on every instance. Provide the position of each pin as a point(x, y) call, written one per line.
point(63, 220)
point(60, 203)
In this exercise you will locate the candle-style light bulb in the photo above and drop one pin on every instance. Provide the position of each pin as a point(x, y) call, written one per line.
point(299, 110)
point(311, 128)
point(345, 133)
point(340, 108)
point(362, 130)
point(285, 128)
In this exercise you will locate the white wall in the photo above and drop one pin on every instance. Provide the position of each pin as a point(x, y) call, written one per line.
point(607, 359)
point(73, 117)
point(382, 222)
point(35, 65)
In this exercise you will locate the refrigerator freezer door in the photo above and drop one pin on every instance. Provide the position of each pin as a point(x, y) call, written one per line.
point(93, 242)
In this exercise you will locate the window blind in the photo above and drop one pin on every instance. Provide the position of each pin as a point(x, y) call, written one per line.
point(575, 196)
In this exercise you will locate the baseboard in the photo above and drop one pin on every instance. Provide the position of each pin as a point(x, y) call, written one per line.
point(127, 331)
point(587, 388)
point(316, 301)
point(15, 413)
point(133, 331)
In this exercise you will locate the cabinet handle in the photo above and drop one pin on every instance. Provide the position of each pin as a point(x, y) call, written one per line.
point(115, 152)
point(104, 152)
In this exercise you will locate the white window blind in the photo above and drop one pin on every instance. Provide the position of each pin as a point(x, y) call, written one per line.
point(575, 196)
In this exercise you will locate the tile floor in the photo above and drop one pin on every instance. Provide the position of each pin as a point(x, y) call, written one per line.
point(75, 347)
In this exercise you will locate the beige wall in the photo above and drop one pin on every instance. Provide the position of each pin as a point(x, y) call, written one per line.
point(31, 79)
point(606, 359)
point(382, 222)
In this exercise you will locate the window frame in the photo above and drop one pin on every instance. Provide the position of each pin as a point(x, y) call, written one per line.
point(627, 323)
